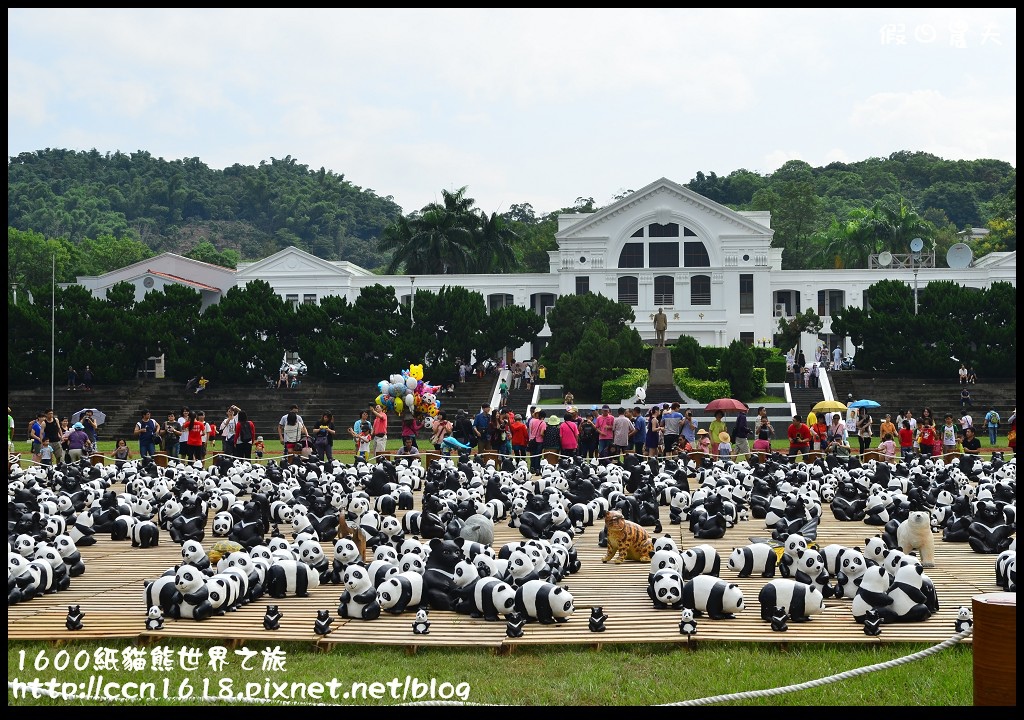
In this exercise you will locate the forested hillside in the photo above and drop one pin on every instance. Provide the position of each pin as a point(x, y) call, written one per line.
point(95, 212)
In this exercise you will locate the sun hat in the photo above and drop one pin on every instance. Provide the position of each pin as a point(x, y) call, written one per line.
point(553, 420)
point(78, 426)
point(723, 436)
point(702, 431)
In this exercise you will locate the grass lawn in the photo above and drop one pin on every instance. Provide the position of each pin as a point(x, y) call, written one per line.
point(617, 675)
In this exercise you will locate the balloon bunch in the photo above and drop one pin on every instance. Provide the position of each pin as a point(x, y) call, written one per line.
point(407, 391)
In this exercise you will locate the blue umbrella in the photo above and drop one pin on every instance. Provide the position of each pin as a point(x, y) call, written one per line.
point(864, 404)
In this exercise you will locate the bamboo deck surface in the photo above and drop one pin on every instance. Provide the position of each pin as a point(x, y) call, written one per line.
point(110, 594)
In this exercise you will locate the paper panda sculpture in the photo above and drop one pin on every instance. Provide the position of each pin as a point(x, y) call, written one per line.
point(759, 558)
point(687, 625)
point(421, 625)
point(514, 625)
point(322, 624)
point(597, 619)
point(155, 618)
point(872, 623)
point(721, 600)
point(74, 618)
point(963, 619)
point(359, 601)
point(700, 560)
point(799, 600)
point(909, 595)
point(401, 591)
point(778, 620)
point(545, 602)
point(666, 589)
point(272, 618)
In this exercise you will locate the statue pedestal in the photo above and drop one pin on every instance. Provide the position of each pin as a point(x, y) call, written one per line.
point(660, 385)
point(661, 367)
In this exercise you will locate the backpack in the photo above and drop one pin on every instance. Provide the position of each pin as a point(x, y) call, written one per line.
point(245, 434)
point(993, 417)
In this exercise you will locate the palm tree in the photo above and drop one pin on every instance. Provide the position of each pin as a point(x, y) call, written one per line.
point(493, 250)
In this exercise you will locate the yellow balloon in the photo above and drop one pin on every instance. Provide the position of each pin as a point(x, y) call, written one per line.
point(416, 371)
point(399, 404)
point(379, 400)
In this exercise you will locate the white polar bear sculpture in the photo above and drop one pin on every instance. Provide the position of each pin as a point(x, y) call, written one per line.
point(915, 533)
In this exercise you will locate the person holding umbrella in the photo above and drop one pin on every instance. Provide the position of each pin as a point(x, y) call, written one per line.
point(717, 426)
point(863, 429)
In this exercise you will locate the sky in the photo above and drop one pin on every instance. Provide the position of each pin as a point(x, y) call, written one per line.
point(518, 106)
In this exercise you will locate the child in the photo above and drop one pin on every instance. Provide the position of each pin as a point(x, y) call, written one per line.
point(724, 446)
point(906, 441)
point(121, 453)
point(703, 441)
point(45, 452)
point(259, 447)
point(888, 448)
point(363, 438)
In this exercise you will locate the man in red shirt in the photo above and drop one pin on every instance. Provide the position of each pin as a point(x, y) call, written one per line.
point(906, 440)
point(799, 437)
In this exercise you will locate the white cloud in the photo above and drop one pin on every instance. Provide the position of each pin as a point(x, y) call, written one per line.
point(520, 105)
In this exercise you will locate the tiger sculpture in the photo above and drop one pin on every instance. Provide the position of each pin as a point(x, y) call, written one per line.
point(626, 539)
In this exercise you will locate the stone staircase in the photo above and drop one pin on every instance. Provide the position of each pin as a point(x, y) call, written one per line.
point(805, 398)
point(896, 395)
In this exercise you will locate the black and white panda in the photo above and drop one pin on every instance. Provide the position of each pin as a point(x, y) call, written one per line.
point(708, 594)
point(195, 595)
point(145, 534)
point(848, 575)
point(545, 602)
point(421, 624)
point(909, 599)
point(291, 578)
point(59, 578)
point(380, 570)
point(492, 598)
point(800, 600)
point(121, 528)
point(700, 560)
point(163, 593)
point(810, 569)
point(872, 593)
point(222, 592)
point(521, 569)
point(792, 544)
point(665, 589)
point(759, 558)
point(81, 532)
point(1006, 570)
point(665, 560)
point(72, 558)
point(400, 592)
point(223, 521)
point(192, 553)
point(154, 618)
point(359, 600)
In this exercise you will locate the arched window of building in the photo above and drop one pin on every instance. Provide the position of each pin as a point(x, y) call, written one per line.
point(664, 290)
point(700, 290)
point(629, 293)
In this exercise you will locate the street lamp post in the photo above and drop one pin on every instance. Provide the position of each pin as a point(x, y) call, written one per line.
point(412, 297)
point(915, 286)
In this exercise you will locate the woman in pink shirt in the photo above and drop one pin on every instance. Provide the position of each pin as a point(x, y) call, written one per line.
point(570, 435)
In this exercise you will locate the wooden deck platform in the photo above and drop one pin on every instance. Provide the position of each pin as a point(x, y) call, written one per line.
point(110, 594)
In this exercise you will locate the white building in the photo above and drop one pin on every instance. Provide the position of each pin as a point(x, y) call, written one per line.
point(711, 269)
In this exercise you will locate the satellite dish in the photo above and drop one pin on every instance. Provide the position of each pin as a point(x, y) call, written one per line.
point(885, 258)
point(916, 245)
point(959, 256)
